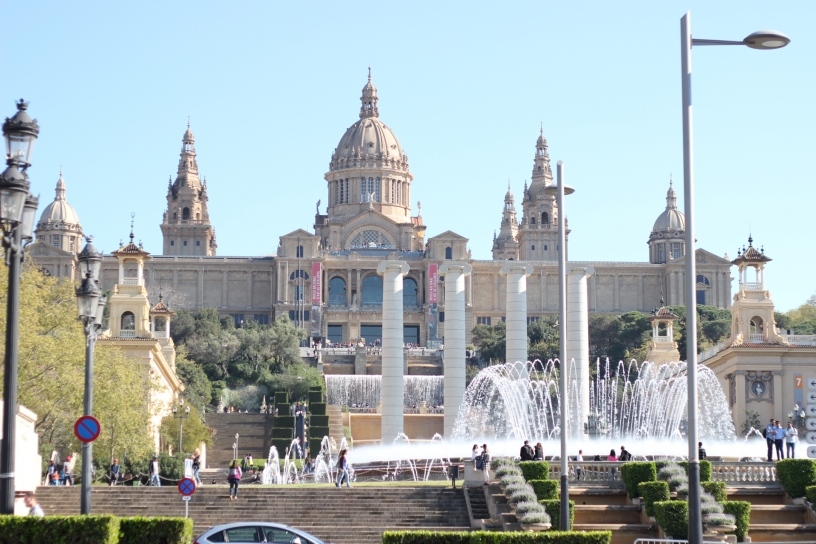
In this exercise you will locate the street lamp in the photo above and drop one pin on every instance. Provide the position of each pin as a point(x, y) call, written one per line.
point(235, 446)
point(559, 190)
point(91, 305)
point(17, 210)
point(764, 39)
point(181, 413)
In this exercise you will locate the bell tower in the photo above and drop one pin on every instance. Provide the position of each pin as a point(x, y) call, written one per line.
point(662, 348)
point(538, 231)
point(186, 227)
point(505, 246)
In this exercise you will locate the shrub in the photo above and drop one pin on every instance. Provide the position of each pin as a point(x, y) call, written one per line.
point(510, 479)
point(545, 489)
point(527, 507)
point(634, 473)
point(668, 471)
point(502, 461)
point(676, 480)
point(720, 519)
point(810, 493)
point(535, 470)
point(139, 530)
point(796, 475)
point(706, 497)
point(719, 490)
point(741, 510)
point(553, 507)
point(672, 516)
point(653, 492)
point(484, 537)
point(512, 488)
point(507, 470)
point(535, 517)
point(682, 491)
point(522, 495)
point(59, 529)
point(705, 469)
point(711, 508)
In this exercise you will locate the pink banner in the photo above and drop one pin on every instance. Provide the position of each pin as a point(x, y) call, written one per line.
point(317, 274)
point(433, 283)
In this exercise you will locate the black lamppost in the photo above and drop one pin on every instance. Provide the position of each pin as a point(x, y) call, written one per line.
point(91, 303)
point(17, 211)
point(180, 413)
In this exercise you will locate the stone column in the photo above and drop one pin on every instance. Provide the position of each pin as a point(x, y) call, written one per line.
point(392, 352)
point(516, 346)
point(454, 354)
point(578, 338)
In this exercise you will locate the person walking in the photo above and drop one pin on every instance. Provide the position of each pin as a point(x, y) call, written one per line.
point(115, 470)
point(52, 478)
point(485, 463)
point(791, 438)
point(154, 472)
point(67, 476)
point(780, 438)
point(770, 435)
point(342, 469)
point(539, 452)
point(197, 465)
point(34, 509)
point(234, 478)
point(527, 453)
point(614, 458)
point(578, 470)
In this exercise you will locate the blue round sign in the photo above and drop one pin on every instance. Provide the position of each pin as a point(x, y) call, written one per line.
point(87, 429)
point(187, 486)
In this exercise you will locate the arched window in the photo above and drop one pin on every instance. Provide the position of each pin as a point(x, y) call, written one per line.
point(409, 293)
point(337, 292)
point(128, 321)
point(532, 220)
point(299, 251)
point(545, 218)
point(703, 280)
point(757, 325)
point(449, 253)
point(372, 290)
point(299, 274)
point(185, 214)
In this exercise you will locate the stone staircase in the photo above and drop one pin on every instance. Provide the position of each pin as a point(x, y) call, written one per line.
point(774, 518)
point(254, 437)
point(356, 515)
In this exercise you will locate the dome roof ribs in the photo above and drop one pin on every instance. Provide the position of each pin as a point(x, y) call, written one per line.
point(59, 214)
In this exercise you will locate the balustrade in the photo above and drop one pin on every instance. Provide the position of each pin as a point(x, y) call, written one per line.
point(127, 334)
point(721, 471)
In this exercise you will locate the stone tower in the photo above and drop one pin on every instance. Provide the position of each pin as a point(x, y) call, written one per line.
point(662, 348)
point(59, 224)
point(538, 231)
point(667, 240)
point(186, 224)
point(505, 246)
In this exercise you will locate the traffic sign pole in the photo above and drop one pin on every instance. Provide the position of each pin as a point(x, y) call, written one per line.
point(186, 487)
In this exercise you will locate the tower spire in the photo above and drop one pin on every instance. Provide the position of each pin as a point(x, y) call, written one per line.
point(369, 99)
point(132, 217)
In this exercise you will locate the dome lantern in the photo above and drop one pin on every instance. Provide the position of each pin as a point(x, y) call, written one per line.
point(369, 99)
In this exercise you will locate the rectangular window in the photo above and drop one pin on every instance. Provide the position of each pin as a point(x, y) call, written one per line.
point(441, 317)
point(532, 320)
point(262, 319)
point(299, 292)
point(371, 333)
point(198, 242)
point(293, 315)
point(533, 248)
point(342, 191)
point(172, 242)
point(363, 191)
point(701, 297)
point(335, 333)
point(483, 320)
point(676, 251)
point(185, 242)
point(377, 190)
point(239, 320)
point(661, 254)
point(55, 239)
point(545, 247)
point(410, 334)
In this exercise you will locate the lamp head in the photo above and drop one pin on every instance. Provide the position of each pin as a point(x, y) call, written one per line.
point(90, 260)
point(766, 39)
point(20, 131)
point(29, 213)
point(14, 186)
point(88, 294)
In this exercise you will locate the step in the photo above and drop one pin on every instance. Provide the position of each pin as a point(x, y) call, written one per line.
point(782, 532)
point(622, 533)
point(599, 495)
point(769, 494)
point(763, 514)
point(599, 513)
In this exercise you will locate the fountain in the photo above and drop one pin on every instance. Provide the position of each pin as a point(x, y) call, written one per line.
point(271, 472)
point(350, 390)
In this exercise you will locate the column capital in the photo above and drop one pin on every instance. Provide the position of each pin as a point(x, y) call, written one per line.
point(394, 266)
point(581, 270)
point(454, 266)
point(519, 268)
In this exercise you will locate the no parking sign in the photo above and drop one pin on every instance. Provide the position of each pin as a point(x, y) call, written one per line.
point(87, 429)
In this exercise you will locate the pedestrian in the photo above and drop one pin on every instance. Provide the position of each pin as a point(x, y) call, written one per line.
point(154, 472)
point(245, 463)
point(769, 432)
point(791, 438)
point(612, 457)
point(115, 470)
point(780, 438)
point(52, 478)
point(34, 509)
point(474, 454)
point(485, 463)
point(578, 470)
point(701, 453)
point(68, 477)
point(624, 455)
point(234, 478)
point(197, 465)
point(527, 453)
point(251, 463)
point(539, 452)
point(342, 469)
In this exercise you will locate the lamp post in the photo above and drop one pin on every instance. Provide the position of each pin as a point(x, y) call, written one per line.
point(235, 446)
point(17, 211)
point(764, 39)
point(91, 304)
point(559, 190)
point(181, 413)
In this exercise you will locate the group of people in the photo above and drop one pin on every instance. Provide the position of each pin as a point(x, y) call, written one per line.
point(775, 435)
point(481, 460)
point(60, 473)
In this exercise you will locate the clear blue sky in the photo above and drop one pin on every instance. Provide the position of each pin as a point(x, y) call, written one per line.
point(272, 86)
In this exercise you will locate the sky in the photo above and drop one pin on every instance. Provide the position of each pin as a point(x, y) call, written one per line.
point(270, 88)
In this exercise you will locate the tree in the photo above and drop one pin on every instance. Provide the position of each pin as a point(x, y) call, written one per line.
point(197, 388)
point(491, 341)
point(194, 431)
point(802, 320)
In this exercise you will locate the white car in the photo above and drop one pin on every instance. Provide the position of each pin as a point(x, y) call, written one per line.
point(257, 531)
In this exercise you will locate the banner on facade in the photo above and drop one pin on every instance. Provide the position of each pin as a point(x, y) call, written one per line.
point(433, 312)
point(317, 298)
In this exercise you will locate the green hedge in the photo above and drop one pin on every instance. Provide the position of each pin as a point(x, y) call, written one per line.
point(485, 537)
point(634, 473)
point(796, 475)
point(59, 529)
point(545, 489)
point(810, 493)
point(719, 490)
point(553, 508)
point(653, 492)
point(705, 469)
point(742, 511)
point(140, 530)
point(673, 518)
point(319, 421)
point(535, 470)
point(317, 408)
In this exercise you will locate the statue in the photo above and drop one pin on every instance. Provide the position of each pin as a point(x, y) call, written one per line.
point(317, 207)
point(220, 404)
point(263, 405)
point(354, 300)
point(419, 208)
point(371, 201)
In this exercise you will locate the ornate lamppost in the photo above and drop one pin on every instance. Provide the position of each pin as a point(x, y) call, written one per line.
point(17, 211)
point(181, 413)
point(91, 305)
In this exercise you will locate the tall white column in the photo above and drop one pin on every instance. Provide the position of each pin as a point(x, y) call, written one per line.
point(516, 320)
point(578, 338)
point(454, 354)
point(392, 357)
